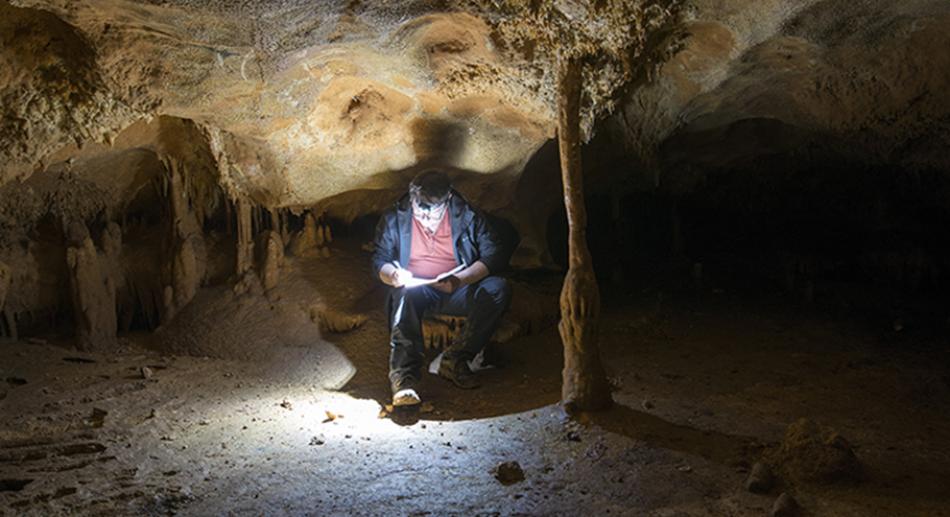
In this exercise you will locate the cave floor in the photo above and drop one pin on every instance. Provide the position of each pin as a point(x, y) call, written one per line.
point(703, 383)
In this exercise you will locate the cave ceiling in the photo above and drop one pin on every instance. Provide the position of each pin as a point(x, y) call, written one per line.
point(308, 100)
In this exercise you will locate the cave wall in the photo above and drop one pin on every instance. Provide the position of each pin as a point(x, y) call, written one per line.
point(803, 139)
point(810, 134)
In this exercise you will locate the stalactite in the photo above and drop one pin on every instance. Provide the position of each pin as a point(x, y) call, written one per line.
point(245, 242)
point(228, 214)
point(112, 261)
point(185, 242)
point(281, 227)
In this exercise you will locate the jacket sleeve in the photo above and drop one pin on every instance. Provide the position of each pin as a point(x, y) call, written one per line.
point(490, 247)
point(386, 243)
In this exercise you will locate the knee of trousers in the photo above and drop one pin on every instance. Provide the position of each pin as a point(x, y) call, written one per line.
point(494, 288)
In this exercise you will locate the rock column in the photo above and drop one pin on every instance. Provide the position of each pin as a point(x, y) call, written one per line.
point(585, 384)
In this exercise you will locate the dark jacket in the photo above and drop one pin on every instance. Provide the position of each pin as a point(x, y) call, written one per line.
point(474, 237)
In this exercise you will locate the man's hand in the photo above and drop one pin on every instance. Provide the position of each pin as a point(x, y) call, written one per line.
point(399, 277)
point(394, 276)
point(447, 285)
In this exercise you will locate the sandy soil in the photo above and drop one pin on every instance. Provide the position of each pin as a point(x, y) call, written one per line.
point(705, 382)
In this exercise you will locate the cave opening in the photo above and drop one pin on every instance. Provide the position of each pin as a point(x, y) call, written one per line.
point(698, 254)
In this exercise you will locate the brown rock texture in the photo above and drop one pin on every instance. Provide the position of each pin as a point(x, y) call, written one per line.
point(813, 453)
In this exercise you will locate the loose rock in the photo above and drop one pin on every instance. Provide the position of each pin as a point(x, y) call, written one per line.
point(508, 473)
point(812, 453)
point(760, 480)
point(785, 506)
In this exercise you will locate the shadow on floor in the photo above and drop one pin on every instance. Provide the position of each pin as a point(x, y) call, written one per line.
point(711, 445)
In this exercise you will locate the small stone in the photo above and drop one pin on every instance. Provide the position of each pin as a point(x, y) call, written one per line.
point(508, 472)
point(685, 468)
point(760, 480)
point(317, 440)
point(648, 405)
point(147, 373)
point(785, 506)
point(287, 405)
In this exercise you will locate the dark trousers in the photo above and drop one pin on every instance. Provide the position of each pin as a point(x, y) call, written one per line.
point(482, 303)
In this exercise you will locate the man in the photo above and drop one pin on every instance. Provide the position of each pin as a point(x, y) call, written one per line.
point(430, 231)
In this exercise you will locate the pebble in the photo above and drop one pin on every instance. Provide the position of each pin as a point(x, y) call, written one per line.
point(760, 480)
point(508, 472)
point(785, 506)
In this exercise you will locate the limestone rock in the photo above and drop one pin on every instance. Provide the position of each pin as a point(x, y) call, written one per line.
point(813, 453)
point(308, 240)
point(332, 320)
point(273, 247)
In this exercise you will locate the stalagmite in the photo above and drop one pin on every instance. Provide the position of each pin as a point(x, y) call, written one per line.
point(273, 259)
point(92, 291)
point(585, 384)
point(327, 236)
point(308, 240)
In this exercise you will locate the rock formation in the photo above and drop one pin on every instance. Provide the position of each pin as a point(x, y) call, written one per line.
point(93, 292)
point(195, 127)
point(273, 258)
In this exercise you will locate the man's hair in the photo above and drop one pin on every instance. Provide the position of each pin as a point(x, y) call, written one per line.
point(431, 186)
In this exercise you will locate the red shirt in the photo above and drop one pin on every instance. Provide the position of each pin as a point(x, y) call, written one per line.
point(431, 255)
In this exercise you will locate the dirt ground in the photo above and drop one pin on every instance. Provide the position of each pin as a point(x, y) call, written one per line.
point(278, 420)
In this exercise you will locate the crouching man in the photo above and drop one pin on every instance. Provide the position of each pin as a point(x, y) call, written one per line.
point(432, 231)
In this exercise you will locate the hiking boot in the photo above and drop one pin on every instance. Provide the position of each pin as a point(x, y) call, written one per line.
point(404, 392)
point(406, 397)
point(458, 373)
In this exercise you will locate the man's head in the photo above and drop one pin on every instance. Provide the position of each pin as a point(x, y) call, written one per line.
point(430, 189)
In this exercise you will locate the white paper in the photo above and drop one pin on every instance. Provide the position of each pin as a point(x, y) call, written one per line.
point(416, 282)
